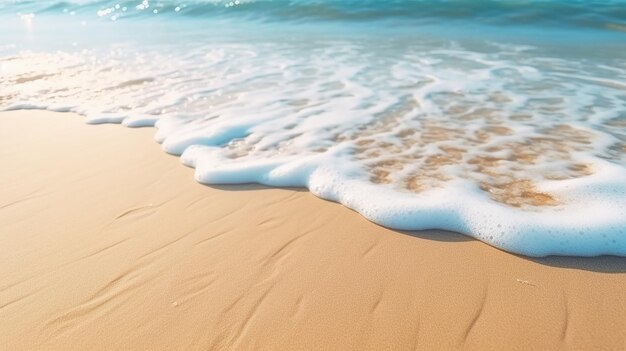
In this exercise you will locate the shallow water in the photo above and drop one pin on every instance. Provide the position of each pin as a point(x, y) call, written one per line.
point(503, 120)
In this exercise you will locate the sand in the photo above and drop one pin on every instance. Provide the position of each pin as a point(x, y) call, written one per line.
point(106, 242)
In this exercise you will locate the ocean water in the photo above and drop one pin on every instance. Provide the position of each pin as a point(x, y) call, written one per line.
point(501, 119)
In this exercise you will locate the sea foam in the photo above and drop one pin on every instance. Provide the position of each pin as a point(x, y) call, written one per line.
point(518, 145)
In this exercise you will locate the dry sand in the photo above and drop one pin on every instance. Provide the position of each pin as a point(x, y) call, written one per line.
point(106, 242)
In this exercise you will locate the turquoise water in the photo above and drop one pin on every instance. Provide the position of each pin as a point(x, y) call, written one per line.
point(553, 13)
point(538, 18)
point(502, 120)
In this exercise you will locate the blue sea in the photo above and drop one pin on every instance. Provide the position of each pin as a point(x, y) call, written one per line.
point(504, 120)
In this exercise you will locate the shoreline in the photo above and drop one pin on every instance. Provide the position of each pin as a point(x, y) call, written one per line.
point(107, 242)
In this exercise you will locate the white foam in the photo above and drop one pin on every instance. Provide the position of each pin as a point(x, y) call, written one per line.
point(330, 116)
point(105, 118)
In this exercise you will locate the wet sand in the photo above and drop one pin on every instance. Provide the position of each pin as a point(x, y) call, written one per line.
point(106, 242)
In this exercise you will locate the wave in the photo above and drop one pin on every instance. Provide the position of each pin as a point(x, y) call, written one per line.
point(517, 141)
point(607, 14)
point(509, 144)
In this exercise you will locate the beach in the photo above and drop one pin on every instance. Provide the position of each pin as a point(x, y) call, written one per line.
point(106, 242)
